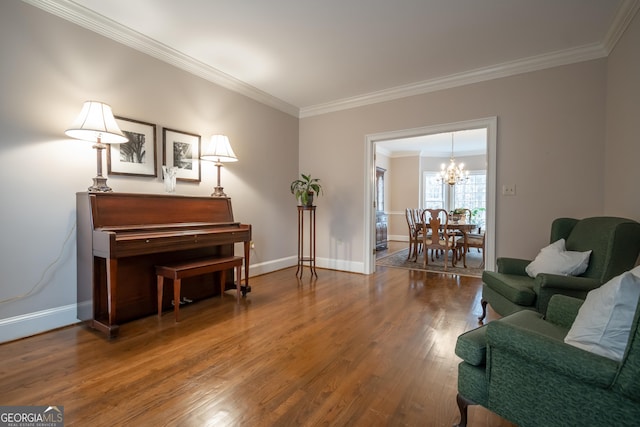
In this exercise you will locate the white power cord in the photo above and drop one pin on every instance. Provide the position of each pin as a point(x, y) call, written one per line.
point(40, 283)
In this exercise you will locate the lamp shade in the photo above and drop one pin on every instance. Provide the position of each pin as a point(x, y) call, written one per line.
point(96, 123)
point(218, 149)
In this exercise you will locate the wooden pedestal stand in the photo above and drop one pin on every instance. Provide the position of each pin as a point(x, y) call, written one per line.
point(311, 259)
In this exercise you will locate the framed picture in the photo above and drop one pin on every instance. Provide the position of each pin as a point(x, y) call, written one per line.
point(136, 157)
point(182, 149)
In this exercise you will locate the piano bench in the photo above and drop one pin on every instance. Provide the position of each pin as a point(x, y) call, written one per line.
point(190, 268)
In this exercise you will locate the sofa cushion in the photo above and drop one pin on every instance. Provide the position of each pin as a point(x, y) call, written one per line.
point(555, 259)
point(516, 288)
point(603, 323)
point(472, 346)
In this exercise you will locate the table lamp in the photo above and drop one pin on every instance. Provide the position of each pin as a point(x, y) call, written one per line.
point(218, 150)
point(96, 123)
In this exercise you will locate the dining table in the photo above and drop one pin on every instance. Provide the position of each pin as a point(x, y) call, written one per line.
point(464, 228)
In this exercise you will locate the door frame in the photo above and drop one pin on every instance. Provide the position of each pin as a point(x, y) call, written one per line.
point(490, 123)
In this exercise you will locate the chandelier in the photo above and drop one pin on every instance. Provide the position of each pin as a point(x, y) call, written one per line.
point(453, 174)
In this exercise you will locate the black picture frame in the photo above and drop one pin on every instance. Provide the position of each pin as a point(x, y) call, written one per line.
point(138, 156)
point(182, 149)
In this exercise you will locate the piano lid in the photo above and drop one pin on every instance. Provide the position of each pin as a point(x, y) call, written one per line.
point(132, 209)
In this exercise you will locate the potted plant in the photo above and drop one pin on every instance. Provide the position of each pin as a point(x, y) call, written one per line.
point(457, 214)
point(477, 217)
point(304, 189)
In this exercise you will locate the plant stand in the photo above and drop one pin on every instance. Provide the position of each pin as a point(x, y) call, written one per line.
point(311, 259)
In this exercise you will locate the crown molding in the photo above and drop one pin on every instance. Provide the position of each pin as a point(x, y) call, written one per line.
point(506, 69)
point(400, 154)
point(97, 23)
point(625, 13)
point(383, 151)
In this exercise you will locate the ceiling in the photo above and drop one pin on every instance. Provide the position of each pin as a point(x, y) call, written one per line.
point(308, 57)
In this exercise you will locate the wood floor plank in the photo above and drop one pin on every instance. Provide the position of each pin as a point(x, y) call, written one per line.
point(341, 350)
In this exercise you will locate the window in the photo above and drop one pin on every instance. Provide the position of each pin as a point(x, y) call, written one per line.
point(472, 194)
point(434, 195)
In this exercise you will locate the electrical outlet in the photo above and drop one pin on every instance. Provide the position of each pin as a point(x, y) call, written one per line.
point(509, 190)
point(253, 245)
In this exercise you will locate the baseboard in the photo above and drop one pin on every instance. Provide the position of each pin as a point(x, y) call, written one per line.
point(271, 266)
point(331, 264)
point(341, 265)
point(30, 324)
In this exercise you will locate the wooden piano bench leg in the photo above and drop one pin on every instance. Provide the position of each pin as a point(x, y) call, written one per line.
point(238, 281)
point(176, 298)
point(223, 279)
point(160, 290)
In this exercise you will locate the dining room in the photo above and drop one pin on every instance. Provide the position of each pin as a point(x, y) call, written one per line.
point(447, 170)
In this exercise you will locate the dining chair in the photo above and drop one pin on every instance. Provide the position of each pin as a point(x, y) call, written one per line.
point(415, 235)
point(439, 238)
point(465, 217)
point(474, 240)
point(417, 215)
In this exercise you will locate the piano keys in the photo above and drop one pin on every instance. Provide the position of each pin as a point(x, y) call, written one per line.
point(122, 236)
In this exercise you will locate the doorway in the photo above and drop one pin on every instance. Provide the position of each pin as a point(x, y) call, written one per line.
point(490, 124)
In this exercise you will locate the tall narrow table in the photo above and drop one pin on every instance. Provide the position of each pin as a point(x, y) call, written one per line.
point(311, 258)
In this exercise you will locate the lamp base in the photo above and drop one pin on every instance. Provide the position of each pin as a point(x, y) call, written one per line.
point(100, 185)
point(218, 192)
point(99, 182)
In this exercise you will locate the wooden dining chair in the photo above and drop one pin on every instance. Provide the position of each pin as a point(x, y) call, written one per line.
point(474, 240)
point(467, 215)
point(464, 217)
point(437, 237)
point(415, 235)
point(417, 215)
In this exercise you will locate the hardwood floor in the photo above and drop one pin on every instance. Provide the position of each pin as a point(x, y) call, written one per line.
point(340, 350)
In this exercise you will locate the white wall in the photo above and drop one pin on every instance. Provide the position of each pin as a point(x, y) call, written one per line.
point(403, 193)
point(49, 68)
point(622, 153)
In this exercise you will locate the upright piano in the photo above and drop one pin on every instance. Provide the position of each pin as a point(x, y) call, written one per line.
point(122, 236)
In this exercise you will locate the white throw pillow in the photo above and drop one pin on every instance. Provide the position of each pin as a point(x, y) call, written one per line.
point(555, 259)
point(603, 323)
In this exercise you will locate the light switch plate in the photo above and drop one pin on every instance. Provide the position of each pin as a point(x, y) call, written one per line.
point(509, 190)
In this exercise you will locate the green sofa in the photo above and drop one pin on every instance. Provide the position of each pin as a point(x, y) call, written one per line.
point(520, 368)
point(615, 245)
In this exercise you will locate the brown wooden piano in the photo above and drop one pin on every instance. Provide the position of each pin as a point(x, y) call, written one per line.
point(122, 236)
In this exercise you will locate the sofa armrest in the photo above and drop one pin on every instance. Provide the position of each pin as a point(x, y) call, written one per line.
point(547, 285)
point(571, 283)
point(512, 265)
point(529, 339)
point(562, 310)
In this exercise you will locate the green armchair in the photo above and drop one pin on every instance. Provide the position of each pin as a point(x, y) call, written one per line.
point(615, 245)
point(520, 368)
